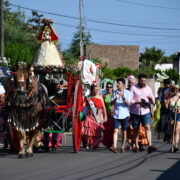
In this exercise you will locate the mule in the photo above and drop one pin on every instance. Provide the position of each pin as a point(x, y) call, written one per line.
point(27, 108)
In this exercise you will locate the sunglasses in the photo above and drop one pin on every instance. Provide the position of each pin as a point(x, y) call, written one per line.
point(108, 87)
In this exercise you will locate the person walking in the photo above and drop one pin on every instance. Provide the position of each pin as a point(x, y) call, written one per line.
point(108, 126)
point(121, 100)
point(142, 97)
point(95, 117)
point(173, 104)
point(164, 127)
point(131, 81)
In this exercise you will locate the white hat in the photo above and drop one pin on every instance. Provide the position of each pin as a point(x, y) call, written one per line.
point(2, 90)
point(131, 77)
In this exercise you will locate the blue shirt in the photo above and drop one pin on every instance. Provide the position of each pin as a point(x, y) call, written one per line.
point(121, 111)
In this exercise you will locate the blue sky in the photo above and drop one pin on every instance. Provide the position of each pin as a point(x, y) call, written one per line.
point(123, 12)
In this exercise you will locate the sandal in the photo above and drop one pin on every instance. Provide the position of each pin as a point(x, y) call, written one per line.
point(122, 150)
point(114, 150)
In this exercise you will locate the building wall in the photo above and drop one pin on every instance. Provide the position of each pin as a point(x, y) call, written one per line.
point(154, 86)
point(114, 55)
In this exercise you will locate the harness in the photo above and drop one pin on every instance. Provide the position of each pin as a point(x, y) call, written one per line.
point(27, 109)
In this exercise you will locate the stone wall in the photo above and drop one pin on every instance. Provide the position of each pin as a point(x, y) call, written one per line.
point(114, 55)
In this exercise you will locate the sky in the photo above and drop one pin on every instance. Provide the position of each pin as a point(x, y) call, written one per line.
point(145, 23)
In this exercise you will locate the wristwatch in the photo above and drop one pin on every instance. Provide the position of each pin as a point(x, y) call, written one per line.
point(123, 98)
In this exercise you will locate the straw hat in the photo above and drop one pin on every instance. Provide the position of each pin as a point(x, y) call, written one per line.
point(176, 86)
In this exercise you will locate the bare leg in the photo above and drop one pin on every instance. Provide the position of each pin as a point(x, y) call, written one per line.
point(115, 138)
point(148, 134)
point(176, 134)
point(124, 137)
point(172, 131)
point(136, 137)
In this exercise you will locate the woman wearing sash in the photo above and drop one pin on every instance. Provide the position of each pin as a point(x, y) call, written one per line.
point(109, 125)
point(96, 115)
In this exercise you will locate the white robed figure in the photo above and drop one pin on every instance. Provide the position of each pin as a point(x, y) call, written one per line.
point(48, 53)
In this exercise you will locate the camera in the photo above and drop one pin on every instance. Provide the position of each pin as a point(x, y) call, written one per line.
point(145, 103)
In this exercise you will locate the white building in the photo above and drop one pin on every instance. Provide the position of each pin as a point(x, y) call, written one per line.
point(163, 67)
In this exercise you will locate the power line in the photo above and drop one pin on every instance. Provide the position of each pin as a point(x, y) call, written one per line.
point(97, 21)
point(149, 5)
point(135, 34)
point(133, 26)
point(117, 32)
point(46, 12)
point(138, 42)
point(141, 41)
point(76, 27)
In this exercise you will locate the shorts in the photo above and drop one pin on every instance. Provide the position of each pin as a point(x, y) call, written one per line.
point(137, 119)
point(122, 122)
point(172, 116)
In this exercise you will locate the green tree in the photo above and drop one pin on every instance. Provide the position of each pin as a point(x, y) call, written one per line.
point(69, 58)
point(20, 38)
point(74, 48)
point(173, 75)
point(35, 21)
point(151, 56)
point(122, 72)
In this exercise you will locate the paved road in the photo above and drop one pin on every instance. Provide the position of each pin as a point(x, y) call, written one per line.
point(95, 164)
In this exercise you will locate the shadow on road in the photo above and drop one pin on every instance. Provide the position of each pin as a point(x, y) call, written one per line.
point(136, 162)
point(172, 173)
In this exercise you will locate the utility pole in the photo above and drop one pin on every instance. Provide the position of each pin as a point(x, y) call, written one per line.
point(81, 29)
point(1, 30)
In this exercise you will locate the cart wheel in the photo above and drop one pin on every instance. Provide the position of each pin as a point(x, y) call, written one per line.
point(77, 124)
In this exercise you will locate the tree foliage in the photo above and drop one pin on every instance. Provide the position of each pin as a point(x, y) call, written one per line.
point(151, 56)
point(173, 75)
point(36, 20)
point(20, 37)
point(124, 72)
point(74, 48)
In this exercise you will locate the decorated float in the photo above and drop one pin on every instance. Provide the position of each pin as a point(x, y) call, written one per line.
point(63, 109)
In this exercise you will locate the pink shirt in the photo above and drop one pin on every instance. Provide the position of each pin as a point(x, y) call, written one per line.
point(138, 94)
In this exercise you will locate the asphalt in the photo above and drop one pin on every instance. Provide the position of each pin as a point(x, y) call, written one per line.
point(93, 165)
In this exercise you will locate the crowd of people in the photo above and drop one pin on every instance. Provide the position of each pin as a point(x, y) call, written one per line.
point(132, 106)
point(134, 109)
